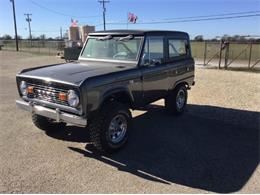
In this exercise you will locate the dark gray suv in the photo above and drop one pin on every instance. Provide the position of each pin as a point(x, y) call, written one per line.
point(116, 71)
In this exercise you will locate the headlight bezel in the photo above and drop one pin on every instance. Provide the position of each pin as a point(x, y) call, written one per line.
point(23, 88)
point(73, 98)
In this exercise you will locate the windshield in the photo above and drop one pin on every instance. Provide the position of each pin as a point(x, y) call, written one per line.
point(112, 48)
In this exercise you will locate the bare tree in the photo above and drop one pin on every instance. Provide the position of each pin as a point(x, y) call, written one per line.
point(199, 38)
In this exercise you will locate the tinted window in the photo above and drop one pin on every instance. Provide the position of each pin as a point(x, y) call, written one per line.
point(177, 48)
point(153, 51)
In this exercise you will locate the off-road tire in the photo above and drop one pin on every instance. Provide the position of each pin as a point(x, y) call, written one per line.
point(171, 100)
point(46, 124)
point(99, 127)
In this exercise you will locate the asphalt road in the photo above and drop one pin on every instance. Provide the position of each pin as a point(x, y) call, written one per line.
point(212, 147)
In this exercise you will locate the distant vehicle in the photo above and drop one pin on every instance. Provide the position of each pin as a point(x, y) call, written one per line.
point(116, 71)
point(72, 51)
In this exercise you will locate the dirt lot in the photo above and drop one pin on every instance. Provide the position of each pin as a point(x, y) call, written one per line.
point(213, 147)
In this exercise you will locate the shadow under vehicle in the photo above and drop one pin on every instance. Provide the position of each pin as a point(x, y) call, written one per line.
point(216, 150)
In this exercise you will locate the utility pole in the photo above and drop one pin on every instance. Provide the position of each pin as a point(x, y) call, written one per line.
point(104, 11)
point(28, 19)
point(15, 28)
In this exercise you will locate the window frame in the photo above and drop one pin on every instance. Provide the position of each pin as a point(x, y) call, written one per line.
point(142, 39)
point(176, 58)
point(164, 39)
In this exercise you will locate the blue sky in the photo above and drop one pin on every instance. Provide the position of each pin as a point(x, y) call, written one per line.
point(49, 23)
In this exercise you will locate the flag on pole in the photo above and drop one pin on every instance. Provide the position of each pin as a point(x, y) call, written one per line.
point(132, 18)
point(74, 23)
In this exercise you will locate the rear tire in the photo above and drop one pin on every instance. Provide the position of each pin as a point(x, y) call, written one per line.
point(176, 100)
point(109, 131)
point(46, 124)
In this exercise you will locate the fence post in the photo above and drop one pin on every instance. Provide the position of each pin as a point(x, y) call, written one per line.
point(30, 45)
point(250, 55)
point(205, 53)
point(220, 54)
point(226, 54)
point(49, 47)
point(39, 49)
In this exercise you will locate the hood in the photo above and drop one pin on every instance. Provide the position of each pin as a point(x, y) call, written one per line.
point(74, 73)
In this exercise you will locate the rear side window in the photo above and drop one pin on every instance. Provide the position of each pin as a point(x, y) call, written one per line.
point(177, 47)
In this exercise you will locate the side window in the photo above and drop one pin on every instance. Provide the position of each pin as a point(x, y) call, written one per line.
point(153, 51)
point(177, 48)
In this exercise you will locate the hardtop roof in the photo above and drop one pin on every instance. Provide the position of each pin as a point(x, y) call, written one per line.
point(139, 32)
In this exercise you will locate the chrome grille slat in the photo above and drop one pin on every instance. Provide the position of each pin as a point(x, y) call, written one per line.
point(47, 93)
point(47, 87)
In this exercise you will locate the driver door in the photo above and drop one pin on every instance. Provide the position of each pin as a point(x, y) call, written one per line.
point(154, 69)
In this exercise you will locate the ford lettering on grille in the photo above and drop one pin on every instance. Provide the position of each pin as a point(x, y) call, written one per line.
point(47, 93)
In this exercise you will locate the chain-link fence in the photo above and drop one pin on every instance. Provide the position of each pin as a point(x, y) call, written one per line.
point(43, 47)
point(227, 54)
point(206, 53)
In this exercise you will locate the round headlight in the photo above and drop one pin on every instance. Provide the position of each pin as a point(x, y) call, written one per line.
point(23, 88)
point(73, 98)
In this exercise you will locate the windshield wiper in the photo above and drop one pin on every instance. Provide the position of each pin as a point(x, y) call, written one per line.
point(104, 38)
point(129, 37)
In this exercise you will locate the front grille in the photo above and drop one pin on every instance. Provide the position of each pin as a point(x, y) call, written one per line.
point(47, 93)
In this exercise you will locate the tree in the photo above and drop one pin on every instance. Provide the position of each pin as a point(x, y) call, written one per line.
point(42, 39)
point(7, 37)
point(199, 38)
point(19, 37)
point(225, 37)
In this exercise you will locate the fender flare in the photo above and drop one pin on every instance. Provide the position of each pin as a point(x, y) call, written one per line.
point(110, 92)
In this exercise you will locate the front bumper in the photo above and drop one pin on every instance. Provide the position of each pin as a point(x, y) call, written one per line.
point(57, 115)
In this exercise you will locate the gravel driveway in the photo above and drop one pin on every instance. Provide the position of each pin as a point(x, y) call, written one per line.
point(212, 147)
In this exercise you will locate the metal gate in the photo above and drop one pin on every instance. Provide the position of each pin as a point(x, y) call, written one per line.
point(225, 53)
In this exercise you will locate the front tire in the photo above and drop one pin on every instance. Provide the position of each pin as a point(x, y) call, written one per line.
point(46, 124)
point(176, 100)
point(109, 131)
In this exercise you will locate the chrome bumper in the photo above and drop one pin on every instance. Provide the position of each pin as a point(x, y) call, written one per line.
point(57, 115)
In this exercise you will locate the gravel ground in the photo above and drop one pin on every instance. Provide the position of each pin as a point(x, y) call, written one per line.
point(213, 147)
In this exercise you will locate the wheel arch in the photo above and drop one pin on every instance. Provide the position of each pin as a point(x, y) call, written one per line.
point(120, 94)
point(179, 83)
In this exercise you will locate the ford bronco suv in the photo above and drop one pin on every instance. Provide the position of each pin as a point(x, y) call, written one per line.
point(116, 71)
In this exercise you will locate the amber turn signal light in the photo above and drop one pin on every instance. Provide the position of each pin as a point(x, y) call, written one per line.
point(63, 96)
point(30, 89)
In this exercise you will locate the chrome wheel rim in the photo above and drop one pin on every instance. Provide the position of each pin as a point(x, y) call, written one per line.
point(180, 100)
point(117, 128)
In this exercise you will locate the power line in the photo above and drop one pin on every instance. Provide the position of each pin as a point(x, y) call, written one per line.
point(103, 2)
point(206, 19)
point(60, 13)
point(191, 20)
point(212, 15)
point(192, 17)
